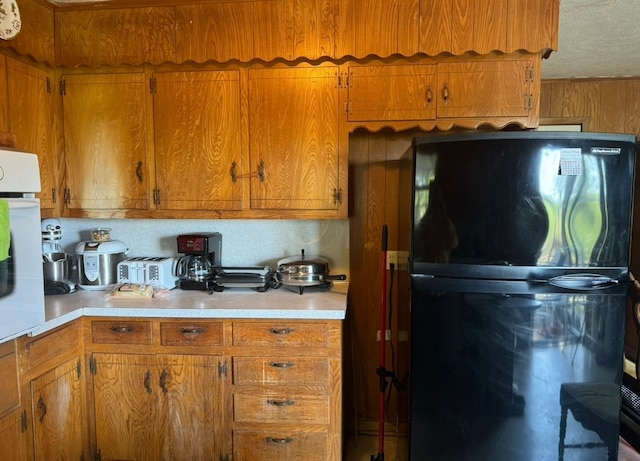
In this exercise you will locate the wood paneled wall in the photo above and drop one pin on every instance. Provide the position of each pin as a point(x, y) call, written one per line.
point(605, 105)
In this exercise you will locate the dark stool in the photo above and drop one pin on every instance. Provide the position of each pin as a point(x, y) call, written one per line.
point(597, 407)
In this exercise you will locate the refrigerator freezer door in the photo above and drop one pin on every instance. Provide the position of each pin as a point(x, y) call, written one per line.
point(508, 204)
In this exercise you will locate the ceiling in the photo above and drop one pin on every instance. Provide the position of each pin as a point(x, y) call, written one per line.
point(597, 38)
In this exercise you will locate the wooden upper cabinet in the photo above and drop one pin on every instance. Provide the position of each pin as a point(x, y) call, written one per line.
point(106, 141)
point(392, 92)
point(378, 27)
point(314, 24)
point(241, 30)
point(533, 25)
point(485, 89)
point(459, 26)
point(4, 102)
point(197, 140)
point(114, 37)
point(296, 158)
point(31, 121)
point(36, 37)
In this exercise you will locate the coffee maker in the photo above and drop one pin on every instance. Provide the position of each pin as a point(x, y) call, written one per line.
point(202, 252)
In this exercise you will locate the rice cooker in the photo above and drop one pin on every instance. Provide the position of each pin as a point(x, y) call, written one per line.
point(98, 263)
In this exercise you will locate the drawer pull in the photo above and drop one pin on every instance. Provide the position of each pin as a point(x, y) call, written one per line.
point(281, 331)
point(192, 331)
point(279, 440)
point(282, 364)
point(280, 403)
point(122, 329)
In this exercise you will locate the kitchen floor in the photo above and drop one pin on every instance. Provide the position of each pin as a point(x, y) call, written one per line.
point(362, 447)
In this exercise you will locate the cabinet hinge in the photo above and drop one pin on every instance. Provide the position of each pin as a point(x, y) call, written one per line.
point(152, 85)
point(79, 369)
point(343, 80)
point(67, 196)
point(529, 73)
point(337, 196)
point(347, 107)
point(23, 421)
point(156, 197)
point(98, 456)
point(54, 195)
point(63, 87)
point(222, 370)
point(528, 102)
point(93, 366)
point(48, 85)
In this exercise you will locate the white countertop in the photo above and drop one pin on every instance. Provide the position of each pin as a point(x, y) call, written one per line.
point(284, 302)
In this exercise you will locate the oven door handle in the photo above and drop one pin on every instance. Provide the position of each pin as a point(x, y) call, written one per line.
point(22, 203)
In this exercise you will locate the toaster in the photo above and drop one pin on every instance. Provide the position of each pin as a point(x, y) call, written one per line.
point(158, 271)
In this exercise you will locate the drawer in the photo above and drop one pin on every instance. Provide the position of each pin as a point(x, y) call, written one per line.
point(279, 446)
point(278, 407)
point(280, 334)
point(52, 346)
point(191, 333)
point(121, 332)
point(280, 370)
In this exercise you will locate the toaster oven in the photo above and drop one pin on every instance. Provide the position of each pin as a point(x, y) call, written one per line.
point(158, 271)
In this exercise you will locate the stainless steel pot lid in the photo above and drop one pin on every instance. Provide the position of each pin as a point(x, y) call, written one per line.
point(303, 265)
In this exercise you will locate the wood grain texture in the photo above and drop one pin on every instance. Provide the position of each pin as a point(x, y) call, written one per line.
point(279, 445)
point(36, 36)
point(197, 125)
point(4, 101)
point(59, 421)
point(78, 38)
point(13, 438)
point(300, 171)
point(314, 25)
point(31, 114)
point(105, 130)
point(532, 25)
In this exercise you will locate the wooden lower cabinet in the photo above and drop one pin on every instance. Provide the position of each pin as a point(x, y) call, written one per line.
point(58, 414)
point(157, 407)
point(13, 436)
point(180, 389)
point(287, 393)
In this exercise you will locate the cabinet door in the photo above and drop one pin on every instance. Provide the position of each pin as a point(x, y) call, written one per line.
point(31, 121)
point(105, 135)
point(4, 104)
point(13, 438)
point(191, 391)
point(241, 30)
point(458, 26)
point(197, 140)
point(392, 92)
point(58, 423)
point(125, 391)
point(294, 138)
point(533, 25)
point(378, 27)
point(484, 89)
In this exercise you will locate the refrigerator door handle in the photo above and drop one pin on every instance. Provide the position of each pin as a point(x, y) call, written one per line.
point(583, 282)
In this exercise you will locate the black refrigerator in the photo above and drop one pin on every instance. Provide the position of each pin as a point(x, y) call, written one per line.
point(519, 249)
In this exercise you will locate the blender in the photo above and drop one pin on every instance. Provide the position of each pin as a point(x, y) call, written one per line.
point(57, 265)
point(202, 252)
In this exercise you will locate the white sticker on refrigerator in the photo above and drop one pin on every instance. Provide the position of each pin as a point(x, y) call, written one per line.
point(570, 162)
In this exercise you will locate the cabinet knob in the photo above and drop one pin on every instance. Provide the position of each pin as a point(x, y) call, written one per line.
point(445, 94)
point(147, 382)
point(429, 97)
point(122, 329)
point(43, 408)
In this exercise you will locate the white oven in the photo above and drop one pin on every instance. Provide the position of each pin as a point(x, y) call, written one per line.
point(21, 275)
